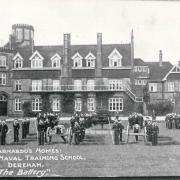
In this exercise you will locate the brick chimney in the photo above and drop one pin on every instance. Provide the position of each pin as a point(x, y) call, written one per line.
point(66, 68)
point(99, 56)
point(160, 58)
point(132, 48)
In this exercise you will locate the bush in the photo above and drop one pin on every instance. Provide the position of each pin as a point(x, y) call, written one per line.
point(27, 109)
point(46, 105)
point(160, 108)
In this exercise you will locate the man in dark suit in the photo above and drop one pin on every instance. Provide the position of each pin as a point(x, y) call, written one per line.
point(41, 130)
point(16, 127)
point(4, 131)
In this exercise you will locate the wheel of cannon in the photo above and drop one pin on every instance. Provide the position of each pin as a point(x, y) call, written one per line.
point(69, 137)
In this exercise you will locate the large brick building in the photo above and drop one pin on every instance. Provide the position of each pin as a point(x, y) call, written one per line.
point(74, 77)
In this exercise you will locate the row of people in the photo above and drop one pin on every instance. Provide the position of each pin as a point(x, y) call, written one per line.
point(172, 121)
point(16, 126)
point(25, 129)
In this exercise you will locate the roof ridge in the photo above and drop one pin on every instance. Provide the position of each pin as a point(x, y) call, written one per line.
point(83, 45)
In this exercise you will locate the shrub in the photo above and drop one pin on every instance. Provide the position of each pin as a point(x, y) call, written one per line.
point(160, 108)
point(27, 109)
point(46, 105)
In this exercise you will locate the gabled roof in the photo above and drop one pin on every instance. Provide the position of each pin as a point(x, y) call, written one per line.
point(139, 62)
point(90, 56)
point(48, 51)
point(157, 72)
point(77, 55)
point(174, 70)
point(36, 53)
point(56, 56)
point(115, 53)
point(17, 55)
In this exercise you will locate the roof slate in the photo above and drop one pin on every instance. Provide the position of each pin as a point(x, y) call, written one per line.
point(158, 72)
point(48, 51)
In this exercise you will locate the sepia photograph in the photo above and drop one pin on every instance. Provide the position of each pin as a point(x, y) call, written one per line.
point(89, 88)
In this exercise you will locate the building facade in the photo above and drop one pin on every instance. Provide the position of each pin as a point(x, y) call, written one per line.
point(84, 78)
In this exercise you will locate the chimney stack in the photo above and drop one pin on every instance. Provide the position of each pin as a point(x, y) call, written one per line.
point(160, 58)
point(132, 48)
point(99, 55)
point(66, 70)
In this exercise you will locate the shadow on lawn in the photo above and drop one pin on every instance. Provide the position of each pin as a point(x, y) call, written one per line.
point(166, 140)
point(19, 143)
point(94, 140)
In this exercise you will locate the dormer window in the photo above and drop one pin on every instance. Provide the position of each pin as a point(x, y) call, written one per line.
point(77, 60)
point(2, 61)
point(56, 61)
point(115, 59)
point(90, 60)
point(18, 61)
point(36, 60)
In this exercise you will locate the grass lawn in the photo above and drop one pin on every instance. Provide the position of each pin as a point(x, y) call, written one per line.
point(100, 158)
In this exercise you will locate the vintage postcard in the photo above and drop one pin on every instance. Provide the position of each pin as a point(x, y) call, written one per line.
point(89, 88)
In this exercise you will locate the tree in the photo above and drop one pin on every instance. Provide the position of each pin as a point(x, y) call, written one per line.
point(46, 105)
point(27, 109)
point(160, 108)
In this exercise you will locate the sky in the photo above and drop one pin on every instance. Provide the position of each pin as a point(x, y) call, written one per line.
point(156, 24)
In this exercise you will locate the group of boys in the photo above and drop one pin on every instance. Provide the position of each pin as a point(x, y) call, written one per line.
point(152, 131)
point(117, 133)
point(46, 121)
point(25, 129)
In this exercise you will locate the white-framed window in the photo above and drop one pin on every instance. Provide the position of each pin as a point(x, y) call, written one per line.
point(141, 82)
point(78, 104)
point(17, 104)
point(56, 104)
point(2, 61)
point(2, 79)
point(36, 60)
point(115, 59)
point(115, 104)
point(18, 85)
point(90, 84)
point(18, 63)
point(36, 63)
point(141, 69)
point(26, 34)
point(19, 34)
point(171, 86)
point(179, 86)
point(115, 84)
point(36, 85)
point(77, 84)
point(90, 104)
point(153, 87)
point(90, 60)
point(77, 60)
point(56, 85)
point(56, 61)
point(36, 104)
